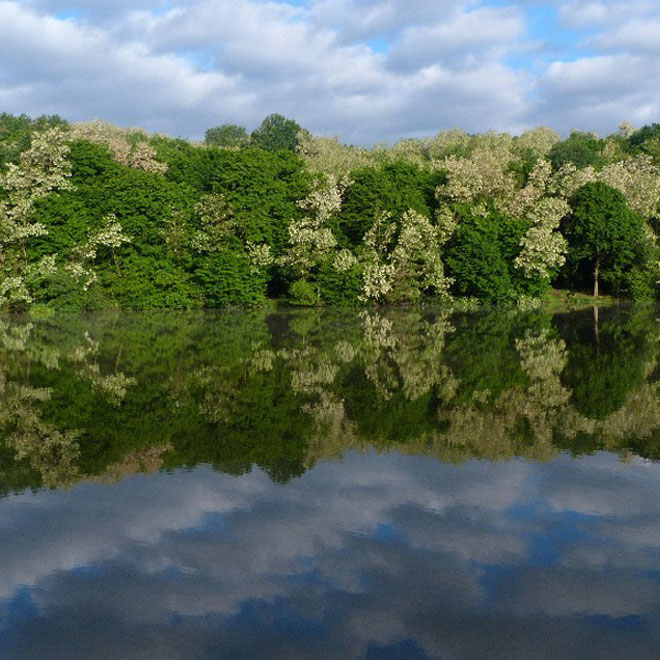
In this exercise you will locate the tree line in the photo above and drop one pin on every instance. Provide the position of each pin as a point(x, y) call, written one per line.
point(95, 216)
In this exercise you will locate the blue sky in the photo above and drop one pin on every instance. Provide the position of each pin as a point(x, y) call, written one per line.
point(365, 70)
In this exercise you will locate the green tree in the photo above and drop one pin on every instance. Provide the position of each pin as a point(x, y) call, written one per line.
point(603, 233)
point(644, 134)
point(646, 140)
point(580, 148)
point(276, 133)
point(262, 188)
point(481, 256)
point(227, 135)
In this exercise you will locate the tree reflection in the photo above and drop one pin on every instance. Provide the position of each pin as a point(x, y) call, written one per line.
point(104, 396)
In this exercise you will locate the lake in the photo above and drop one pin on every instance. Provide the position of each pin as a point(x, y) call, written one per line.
point(384, 484)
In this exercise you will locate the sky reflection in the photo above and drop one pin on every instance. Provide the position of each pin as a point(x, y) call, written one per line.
point(373, 556)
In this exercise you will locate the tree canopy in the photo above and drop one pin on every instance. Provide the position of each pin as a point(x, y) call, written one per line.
point(580, 148)
point(276, 133)
point(227, 135)
point(94, 216)
point(603, 233)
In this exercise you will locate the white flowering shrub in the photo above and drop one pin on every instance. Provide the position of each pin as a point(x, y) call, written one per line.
point(81, 264)
point(312, 242)
point(403, 260)
point(43, 169)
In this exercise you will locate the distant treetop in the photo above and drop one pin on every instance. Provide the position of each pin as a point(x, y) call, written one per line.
point(227, 135)
point(276, 133)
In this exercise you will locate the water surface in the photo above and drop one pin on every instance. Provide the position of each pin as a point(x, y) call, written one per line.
point(306, 484)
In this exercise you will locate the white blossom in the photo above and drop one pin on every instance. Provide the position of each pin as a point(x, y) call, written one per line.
point(43, 169)
point(311, 240)
point(405, 268)
point(260, 255)
point(543, 246)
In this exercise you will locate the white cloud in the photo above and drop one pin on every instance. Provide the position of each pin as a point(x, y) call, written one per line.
point(81, 72)
point(633, 36)
point(367, 19)
point(369, 70)
point(465, 40)
point(578, 14)
point(595, 90)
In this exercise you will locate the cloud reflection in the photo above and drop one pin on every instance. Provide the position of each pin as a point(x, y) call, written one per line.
point(373, 556)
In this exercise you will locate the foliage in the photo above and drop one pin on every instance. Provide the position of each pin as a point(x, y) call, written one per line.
point(340, 280)
point(402, 260)
point(303, 293)
point(43, 169)
point(311, 239)
point(263, 189)
point(16, 134)
point(481, 256)
point(276, 133)
point(392, 188)
point(227, 135)
point(228, 267)
point(188, 225)
point(643, 138)
point(543, 246)
point(580, 148)
point(127, 146)
point(326, 155)
point(539, 141)
point(603, 234)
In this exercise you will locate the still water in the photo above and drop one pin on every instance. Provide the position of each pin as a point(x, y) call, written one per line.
point(305, 484)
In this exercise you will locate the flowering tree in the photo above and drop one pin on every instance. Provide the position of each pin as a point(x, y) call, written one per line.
point(127, 146)
point(402, 261)
point(81, 263)
point(311, 239)
point(543, 246)
point(538, 140)
point(43, 169)
point(328, 156)
point(484, 174)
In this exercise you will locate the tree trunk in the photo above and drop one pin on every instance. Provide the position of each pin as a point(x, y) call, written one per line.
point(596, 276)
point(597, 328)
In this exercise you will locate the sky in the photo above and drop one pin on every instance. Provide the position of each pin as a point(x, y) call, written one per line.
point(364, 70)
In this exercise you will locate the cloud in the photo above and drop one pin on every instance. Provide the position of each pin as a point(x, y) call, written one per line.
point(92, 75)
point(464, 40)
point(597, 89)
point(373, 17)
point(581, 15)
point(369, 70)
point(633, 36)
